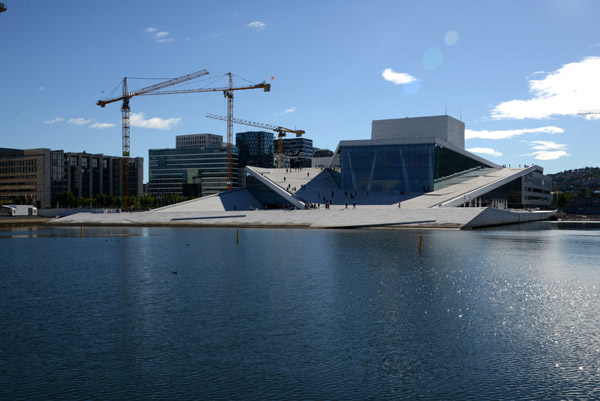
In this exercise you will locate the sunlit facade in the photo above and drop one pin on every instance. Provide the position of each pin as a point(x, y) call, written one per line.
point(40, 175)
point(424, 154)
point(402, 168)
point(190, 171)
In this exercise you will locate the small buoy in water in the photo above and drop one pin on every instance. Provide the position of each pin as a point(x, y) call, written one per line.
point(175, 272)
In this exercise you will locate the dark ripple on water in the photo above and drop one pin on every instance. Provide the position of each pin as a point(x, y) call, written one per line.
point(299, 314)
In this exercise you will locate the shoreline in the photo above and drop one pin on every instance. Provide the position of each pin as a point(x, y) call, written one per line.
point(382, 218)
point(26, 221)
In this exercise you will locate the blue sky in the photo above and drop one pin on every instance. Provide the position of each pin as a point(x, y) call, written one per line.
point(516, 72)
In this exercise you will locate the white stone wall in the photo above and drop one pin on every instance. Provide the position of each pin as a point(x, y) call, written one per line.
point(422, 128)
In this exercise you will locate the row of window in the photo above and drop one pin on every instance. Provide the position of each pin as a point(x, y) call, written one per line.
point(12, 163)
point(17, 177)
point(5, 190)
point(8, 170)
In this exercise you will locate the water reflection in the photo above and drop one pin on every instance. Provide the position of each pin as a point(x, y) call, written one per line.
point(71, 232)
point(299, 314)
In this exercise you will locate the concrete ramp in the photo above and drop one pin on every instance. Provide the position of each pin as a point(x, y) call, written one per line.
point(270, 178)
point(459, 194)
point(494, 217)
point(238, 199)
point(337, 217)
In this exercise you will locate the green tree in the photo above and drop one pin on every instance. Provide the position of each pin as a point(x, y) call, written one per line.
point(562, 200)
point(67, 199)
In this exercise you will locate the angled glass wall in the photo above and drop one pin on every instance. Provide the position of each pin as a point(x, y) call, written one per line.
point(387, 168)
point(404, 168)
point(453, 168)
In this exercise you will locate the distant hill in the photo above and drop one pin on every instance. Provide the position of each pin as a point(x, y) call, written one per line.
point(578, 181)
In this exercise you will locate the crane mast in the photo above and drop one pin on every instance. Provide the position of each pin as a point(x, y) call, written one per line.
point(125, 114)
point(155, 90)
point(228, 94)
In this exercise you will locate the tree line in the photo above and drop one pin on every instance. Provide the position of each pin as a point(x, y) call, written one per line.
point(69, 200)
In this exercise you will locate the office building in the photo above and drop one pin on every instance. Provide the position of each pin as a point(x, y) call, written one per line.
point(255, 148)
point(299, 150)
point(198, 141)
point(88, 175)
point(190, 172)
point(39, 175)
point(26, 174)
point(321, 157)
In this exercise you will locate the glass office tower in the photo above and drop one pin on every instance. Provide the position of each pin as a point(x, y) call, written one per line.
point(190, 172)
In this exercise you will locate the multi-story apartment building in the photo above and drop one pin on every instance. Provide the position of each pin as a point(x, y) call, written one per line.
point(41, 174)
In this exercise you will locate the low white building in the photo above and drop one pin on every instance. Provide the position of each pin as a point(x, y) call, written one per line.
point(21, 210)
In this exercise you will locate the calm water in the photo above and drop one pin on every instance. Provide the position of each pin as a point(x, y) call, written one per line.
point(299, 314)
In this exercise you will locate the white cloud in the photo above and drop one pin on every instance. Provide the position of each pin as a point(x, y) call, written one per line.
point(572, 87)
point(547, 150)
point(257, 25)
point(56, 120)
point(548, 155)
point(78, 121)
point(505, 134)
point(289, 110)
point(159, 37)
point(485, 151)
point(137, 120)
point(102, 125)
point(398, 78)
point(546, 145)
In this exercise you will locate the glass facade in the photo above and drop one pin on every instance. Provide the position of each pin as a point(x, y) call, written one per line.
point(255, 148)
point(403, 168)
point(264, 195)
point(91, 175)
point(57, 171)
point(511, 193)
point(299, 150)
point(205, 169)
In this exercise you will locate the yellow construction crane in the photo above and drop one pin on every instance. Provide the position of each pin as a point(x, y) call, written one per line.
point(228, 93)
point(125, 112)
point(281, 133)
